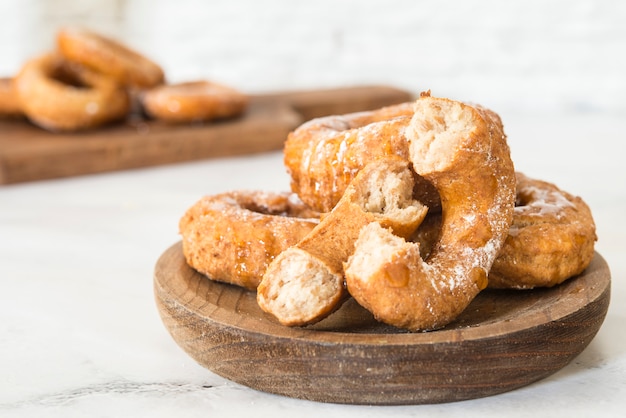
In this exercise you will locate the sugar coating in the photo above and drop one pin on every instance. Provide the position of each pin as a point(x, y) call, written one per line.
point(323, 155)
point(544, 202)
point(447, 140)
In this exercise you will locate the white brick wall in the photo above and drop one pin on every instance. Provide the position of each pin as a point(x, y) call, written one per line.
point(565, 55)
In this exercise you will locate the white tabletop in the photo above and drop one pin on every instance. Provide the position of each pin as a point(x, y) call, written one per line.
point(79, 331)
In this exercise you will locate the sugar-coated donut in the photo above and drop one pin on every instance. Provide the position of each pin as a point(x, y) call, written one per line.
point(193, 101)
point(323, 155)
point(9, 103)
point(109, 57)
point(551, 239)
point(463, 151)
point(62, 96)
point(305, 282)
point(232, 237)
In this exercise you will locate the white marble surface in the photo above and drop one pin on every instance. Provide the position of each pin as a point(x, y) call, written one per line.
point(79, 330)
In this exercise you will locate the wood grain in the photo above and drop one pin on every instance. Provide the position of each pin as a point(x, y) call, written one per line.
point(28, 153)
point(504, 340)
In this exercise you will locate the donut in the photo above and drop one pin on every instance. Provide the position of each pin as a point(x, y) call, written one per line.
point(323, 155)
point(109, 57)
point(9, 104)
point(232, 237)
point(551, 239)
point(62, 96)
point(193, 101)
point(304, 283)
point(463, 151)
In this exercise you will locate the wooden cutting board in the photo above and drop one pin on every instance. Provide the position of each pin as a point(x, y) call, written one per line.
point(502, 341)
point(29, 153)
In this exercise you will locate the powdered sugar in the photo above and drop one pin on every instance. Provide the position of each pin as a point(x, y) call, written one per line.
point(544, 202)
point(450, 147)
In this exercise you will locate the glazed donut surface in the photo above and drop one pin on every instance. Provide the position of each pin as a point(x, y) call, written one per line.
point(62, 96)
point(232, 237)
point(323, 155)
point(109, 57)
point(551, 239)
point(463, 151)
point(193, 101)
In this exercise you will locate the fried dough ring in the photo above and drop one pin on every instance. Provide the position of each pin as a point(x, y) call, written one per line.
point(62, 96)
point(109, 57)
point(551, 239)
point(232, 237)
point(462, 150)
point(305, 282)
point(193, 101)
point(9, 103)
point(323, 155)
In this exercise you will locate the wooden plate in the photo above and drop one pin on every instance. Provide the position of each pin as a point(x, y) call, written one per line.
point(504, 340)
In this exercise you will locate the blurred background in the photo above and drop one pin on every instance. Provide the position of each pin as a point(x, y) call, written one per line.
point(554, 56)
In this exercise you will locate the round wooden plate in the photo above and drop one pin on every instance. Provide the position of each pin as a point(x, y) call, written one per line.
point(504, 340)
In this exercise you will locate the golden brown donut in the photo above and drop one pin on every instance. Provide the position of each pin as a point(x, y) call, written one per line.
point(323, 155)
point(304, 283)
point(62, 96)
point(109, 57)
point(551, 239)
point(232, 237)
point(193, 101)
point(9, 104)
point(463, 151)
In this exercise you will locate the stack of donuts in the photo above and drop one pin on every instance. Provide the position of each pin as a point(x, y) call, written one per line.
point(90, 80)
point(412, 210)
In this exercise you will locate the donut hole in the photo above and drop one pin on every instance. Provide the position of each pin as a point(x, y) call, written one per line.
point(266, 210)
point(281, 209)
point(68, 75)
point(426, 192)
point(522, 200)
point(427, 234)
point(525, 196)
